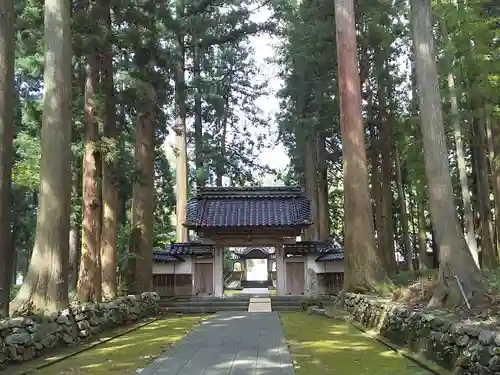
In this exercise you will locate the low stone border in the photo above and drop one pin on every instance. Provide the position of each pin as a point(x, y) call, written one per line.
point(24, 338)
point(464, 350)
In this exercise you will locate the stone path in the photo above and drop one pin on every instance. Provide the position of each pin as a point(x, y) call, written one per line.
point(229, 344)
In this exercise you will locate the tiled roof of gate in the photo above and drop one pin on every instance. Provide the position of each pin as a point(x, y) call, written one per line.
point(165, 256)
point(189, 248)
point(247, 207)
point(303, 247)
point(336, 254)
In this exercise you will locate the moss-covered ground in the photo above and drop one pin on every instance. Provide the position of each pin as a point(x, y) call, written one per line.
point(323, 346)
point(125, 354)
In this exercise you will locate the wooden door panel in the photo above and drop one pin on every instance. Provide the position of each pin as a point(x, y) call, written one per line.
point(295, 278)
point(204, 281)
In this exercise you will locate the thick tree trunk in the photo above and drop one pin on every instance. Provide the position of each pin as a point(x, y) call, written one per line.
point(109, 182)
point(89, 279)
point(459, 146)
point(454, 254)
point(46, 284)
point(143, 198)
point(363, 265)
point(403, 212)
point(181, 162)
point(7, 97)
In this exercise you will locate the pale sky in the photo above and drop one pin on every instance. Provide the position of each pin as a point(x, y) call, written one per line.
point(275, 157)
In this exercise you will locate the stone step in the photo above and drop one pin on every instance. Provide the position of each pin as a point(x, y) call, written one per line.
point(204, 309)
point(286, 308)
point(259, 304)
point(202, 303)
point(236, 297)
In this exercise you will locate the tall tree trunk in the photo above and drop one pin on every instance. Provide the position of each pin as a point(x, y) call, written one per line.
point(454, 254)
point(181, 162)
point(489, 259)
point(459, 146)
point(75, 233)
point(7, 101)
point(311, 173)
point(109, 234)
point(494, 154)
point(386, 147)
point(220, 168)
point(375, 181)
point(363, 266)
point(323, 205)
point(198, 126)
point(143, 197)
point(89, 279)
point(403, 212)
point(422, 235)
point(46, 284)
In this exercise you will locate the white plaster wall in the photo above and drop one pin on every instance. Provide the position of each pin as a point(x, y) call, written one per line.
point(335, 266)
point(185, 267)
point(318, 267)
point(163, 268)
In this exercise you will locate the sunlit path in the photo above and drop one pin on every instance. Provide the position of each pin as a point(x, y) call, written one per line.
point(229, 344)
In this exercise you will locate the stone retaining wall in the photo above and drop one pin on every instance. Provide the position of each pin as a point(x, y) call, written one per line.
point(24, 338)
point(465, 350)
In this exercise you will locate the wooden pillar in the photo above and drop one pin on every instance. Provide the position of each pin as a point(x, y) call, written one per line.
point(218, 273)
point(280, 270)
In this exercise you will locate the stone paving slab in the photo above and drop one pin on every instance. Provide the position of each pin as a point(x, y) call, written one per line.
point(230, 343)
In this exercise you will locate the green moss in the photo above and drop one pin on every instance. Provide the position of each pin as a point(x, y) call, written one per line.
point(323, 346)
point(125, 354)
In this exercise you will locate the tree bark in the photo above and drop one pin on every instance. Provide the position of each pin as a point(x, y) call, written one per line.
point(363, 265)
point(459, 146)
point(46, 284)
point(7, 101)
point(109, 181)
point(455, 258)
point(143, 197)
point(181, 162)
point(89, 279)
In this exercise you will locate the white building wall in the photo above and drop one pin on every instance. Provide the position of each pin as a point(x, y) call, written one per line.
point(334, 266)
point(163, 268)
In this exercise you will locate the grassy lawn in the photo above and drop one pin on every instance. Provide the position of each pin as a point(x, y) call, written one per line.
point(125, 354)
point(322, 346)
